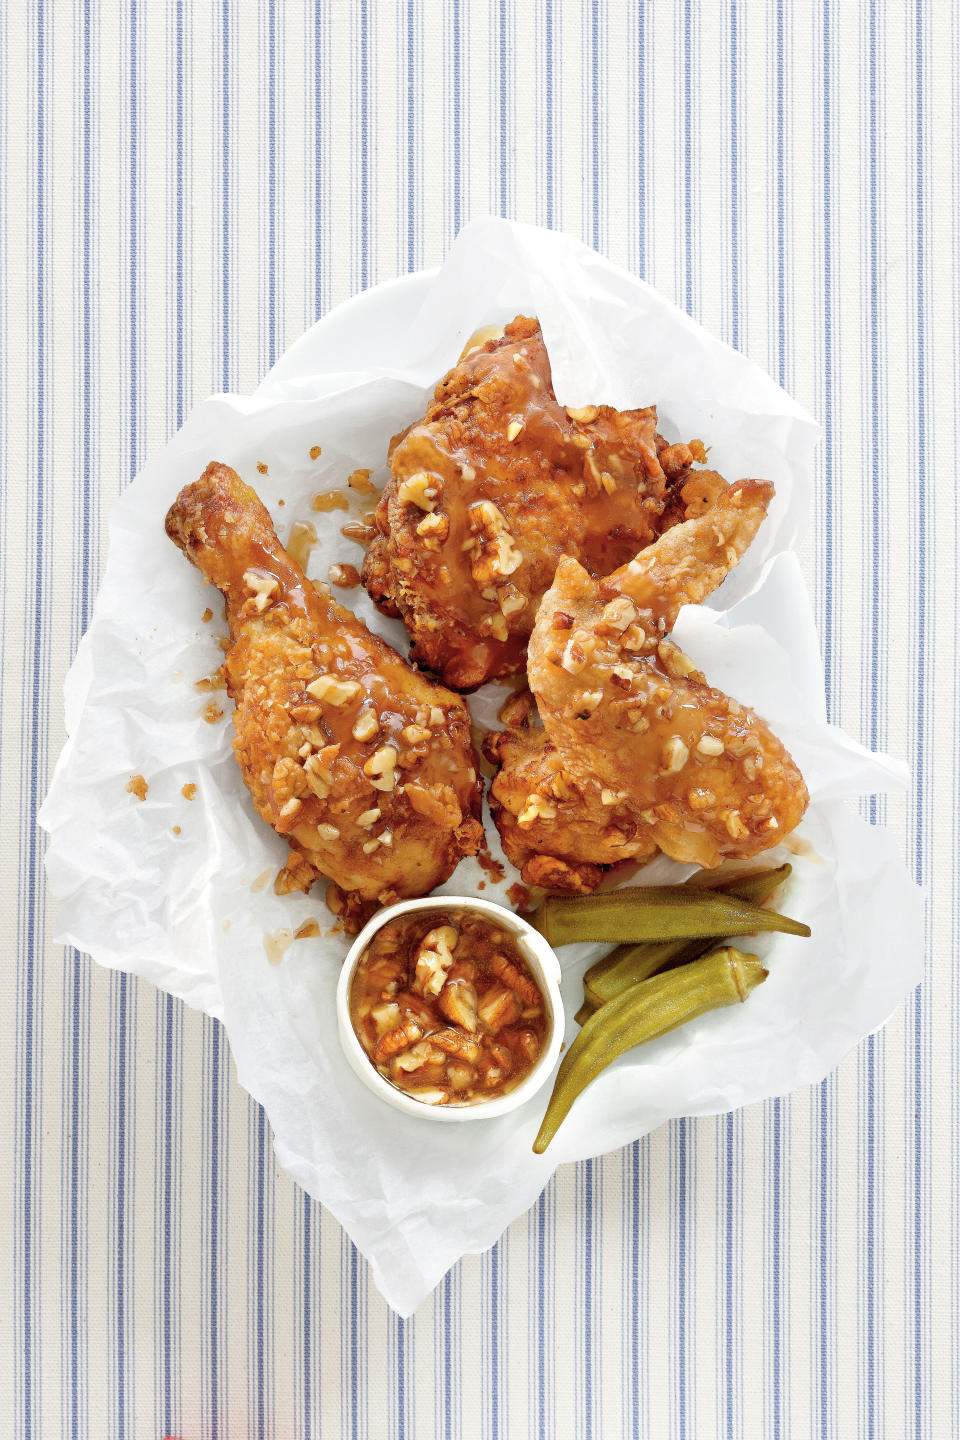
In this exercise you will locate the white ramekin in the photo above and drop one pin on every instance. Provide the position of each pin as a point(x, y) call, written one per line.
point(545, 968)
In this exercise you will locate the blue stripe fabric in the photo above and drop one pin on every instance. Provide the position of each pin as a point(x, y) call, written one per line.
point(184, 188)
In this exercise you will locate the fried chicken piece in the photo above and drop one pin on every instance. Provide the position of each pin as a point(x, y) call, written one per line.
point(638, 753)
point(495, 484)
point(363, 764)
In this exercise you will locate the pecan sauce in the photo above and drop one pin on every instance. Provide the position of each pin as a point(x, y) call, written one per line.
point(446, 1007)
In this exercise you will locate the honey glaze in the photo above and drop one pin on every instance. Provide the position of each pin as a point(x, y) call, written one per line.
point(277, 944)
point(495, 483)
point(329, 500)
point(800, 846)
point(447, 1009)
point(303, 537)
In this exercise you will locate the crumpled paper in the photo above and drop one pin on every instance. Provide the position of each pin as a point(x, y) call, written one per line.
point(195, 913)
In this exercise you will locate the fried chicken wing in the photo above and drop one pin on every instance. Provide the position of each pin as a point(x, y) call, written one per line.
point(363, 764)
point(495, 484)
point(638, 753)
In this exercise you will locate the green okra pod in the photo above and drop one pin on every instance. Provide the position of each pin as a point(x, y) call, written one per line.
point(644, 1012)
point(629, 964)
point(656, 913)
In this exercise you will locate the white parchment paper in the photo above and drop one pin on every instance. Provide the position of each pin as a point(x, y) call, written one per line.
point(195, 913)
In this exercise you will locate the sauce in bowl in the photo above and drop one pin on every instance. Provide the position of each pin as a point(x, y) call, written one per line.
point(446, 1008)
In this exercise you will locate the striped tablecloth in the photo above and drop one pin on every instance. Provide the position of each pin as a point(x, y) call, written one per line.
point(185, 187)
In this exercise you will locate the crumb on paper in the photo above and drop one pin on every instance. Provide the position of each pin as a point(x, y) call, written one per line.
point(216, 681)
point(177, 830)
point(281, 502)
point(361, 482)
point(516, 710)
point(307, 930)
point(212, 712)
point(315, 452)
point(481, 884)
point(207, 615)
point(350, 915)
point(489, 866)
point(302, 538)
point(136, 785)
point(261, 468)
point(329, 500)
point(345, 577)
point(519, 897)
point(361, 534)
point(277, 944)
point(189, 790)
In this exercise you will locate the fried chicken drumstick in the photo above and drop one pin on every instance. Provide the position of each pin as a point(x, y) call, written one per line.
point(638, 753)
point(361, 763)
point(495, 484)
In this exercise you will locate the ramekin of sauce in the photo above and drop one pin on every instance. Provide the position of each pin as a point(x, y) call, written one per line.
point(449, 1008)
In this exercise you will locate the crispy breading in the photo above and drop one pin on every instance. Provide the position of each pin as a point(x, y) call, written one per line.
point(495, 484)
point(638, 754)
point(302, 672)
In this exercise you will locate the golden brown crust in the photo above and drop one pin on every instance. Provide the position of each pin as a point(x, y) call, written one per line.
point(331, 724)
point(638, 753)
point(494, 484)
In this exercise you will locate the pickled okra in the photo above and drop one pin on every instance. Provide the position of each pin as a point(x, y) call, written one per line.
point(629, 964)
point(656, 913)
point(644, 1012)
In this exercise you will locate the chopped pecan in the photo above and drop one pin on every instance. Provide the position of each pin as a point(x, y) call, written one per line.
point(366, 725)
point(454, 1042)
point(515, 979)
point(297, 874)
point(434, 527)
point(438, 804)
point(434, 959)
point(380, 768)
point(709, 745)
point(419, 1055)
point(408, 1032)
point(523, 1040)
point(499, 556)
point(498, 1007)
point(536, 807)
point(675, 755)
point(516, 709)
point(618, 615)
point(675, 662)
point(735, 826)
point(419, 489)
point(385, 1016)
point(458, 1002)
point(262, 586)
point(332, 691)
